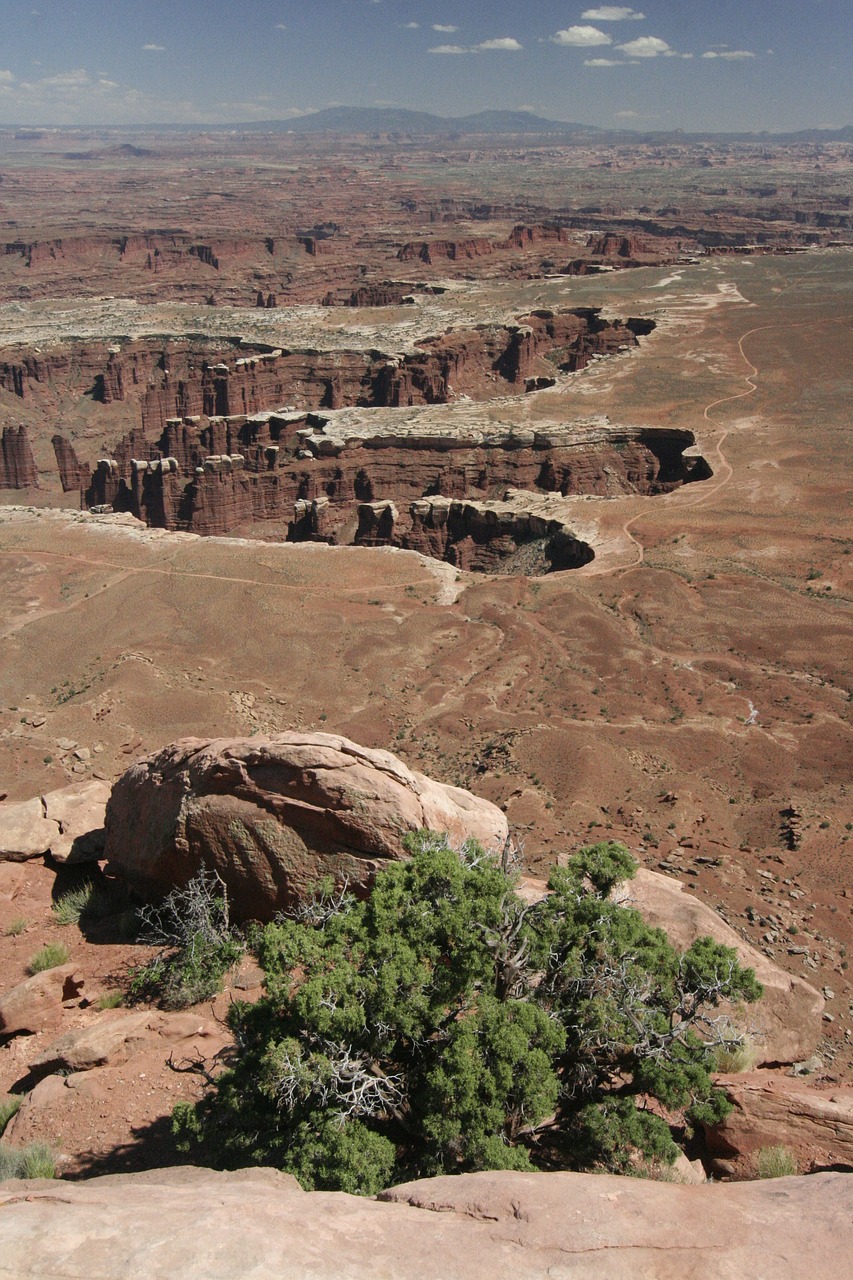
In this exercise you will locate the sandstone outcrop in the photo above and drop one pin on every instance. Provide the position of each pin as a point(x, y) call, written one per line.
point(386, 294)
point(17, 464)
point(210, 475)
point(816, 1125)
point(111, 1040)
point(785, 1024)
point(195, 1224)
point(67, 823)
point(491, 537)
point(272, 815)
point(613, 245)
point(35, 1004)
point(522, 236)
point(73, 474)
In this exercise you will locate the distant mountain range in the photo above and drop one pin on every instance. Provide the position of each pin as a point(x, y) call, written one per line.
point(373, 121)
point(398, 120)
point(376, 120)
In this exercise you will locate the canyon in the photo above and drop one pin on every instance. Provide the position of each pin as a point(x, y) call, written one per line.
point(524, 462)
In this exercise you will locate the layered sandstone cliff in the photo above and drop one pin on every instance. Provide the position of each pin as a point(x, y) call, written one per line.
point(183, 378)
point(17, 464)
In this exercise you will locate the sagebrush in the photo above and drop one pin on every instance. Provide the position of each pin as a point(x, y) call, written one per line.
point(197, 945)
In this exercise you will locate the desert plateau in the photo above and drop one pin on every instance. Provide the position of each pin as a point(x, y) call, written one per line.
point(361, 476)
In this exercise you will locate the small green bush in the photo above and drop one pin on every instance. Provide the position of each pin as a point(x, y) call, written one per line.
point(109, 1000)
point(735, 1056)
point(51, 955)
point(16, 927)
point(37, 1160)
point(71, 905)
point(775, 1162)
point(89, 902)
point(9, 1107)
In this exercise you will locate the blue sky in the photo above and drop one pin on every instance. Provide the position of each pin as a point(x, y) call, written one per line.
point(669, 64)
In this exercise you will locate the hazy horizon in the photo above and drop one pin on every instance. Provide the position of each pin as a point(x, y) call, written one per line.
point(741, 66)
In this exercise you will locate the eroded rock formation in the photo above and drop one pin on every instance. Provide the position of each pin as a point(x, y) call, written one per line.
point(494, 537)
point(73, 474)
point(17, 464)
point(267, 467)
point(273, 815)
point(186, 378)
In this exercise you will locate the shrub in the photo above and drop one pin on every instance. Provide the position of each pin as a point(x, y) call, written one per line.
point(37, 1160)
point(444, 1025)
point(110, 1000)
point(50, 955)
point(70, 906)
point(9, 1107)
point(775, 1162)
point(89, 902)
point(16, 927)
point(197, 945)
point(735, 1055)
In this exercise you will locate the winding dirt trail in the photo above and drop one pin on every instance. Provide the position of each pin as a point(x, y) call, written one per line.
point(723, 465)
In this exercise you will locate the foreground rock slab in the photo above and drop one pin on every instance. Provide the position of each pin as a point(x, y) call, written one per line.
point(273, 814)
point(193, 1224)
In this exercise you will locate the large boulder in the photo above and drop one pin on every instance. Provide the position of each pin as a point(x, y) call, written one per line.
point(272, 815)
point(195, 1224)
point(769, 1110)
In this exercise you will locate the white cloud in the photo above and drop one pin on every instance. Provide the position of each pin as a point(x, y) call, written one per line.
point(281, 26)
point(448, 48)
point(503, 42)
point(613, 13)
point(446, 27)
point(603, 62)
point(627, 115)
point(582, 37)
point(155, 48)
point(411, 26)
point(79, 97)
point(734, 55)
point(647, 47)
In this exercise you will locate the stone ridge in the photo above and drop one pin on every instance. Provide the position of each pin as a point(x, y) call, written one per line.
point(196, 1224)
point(311, 471)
